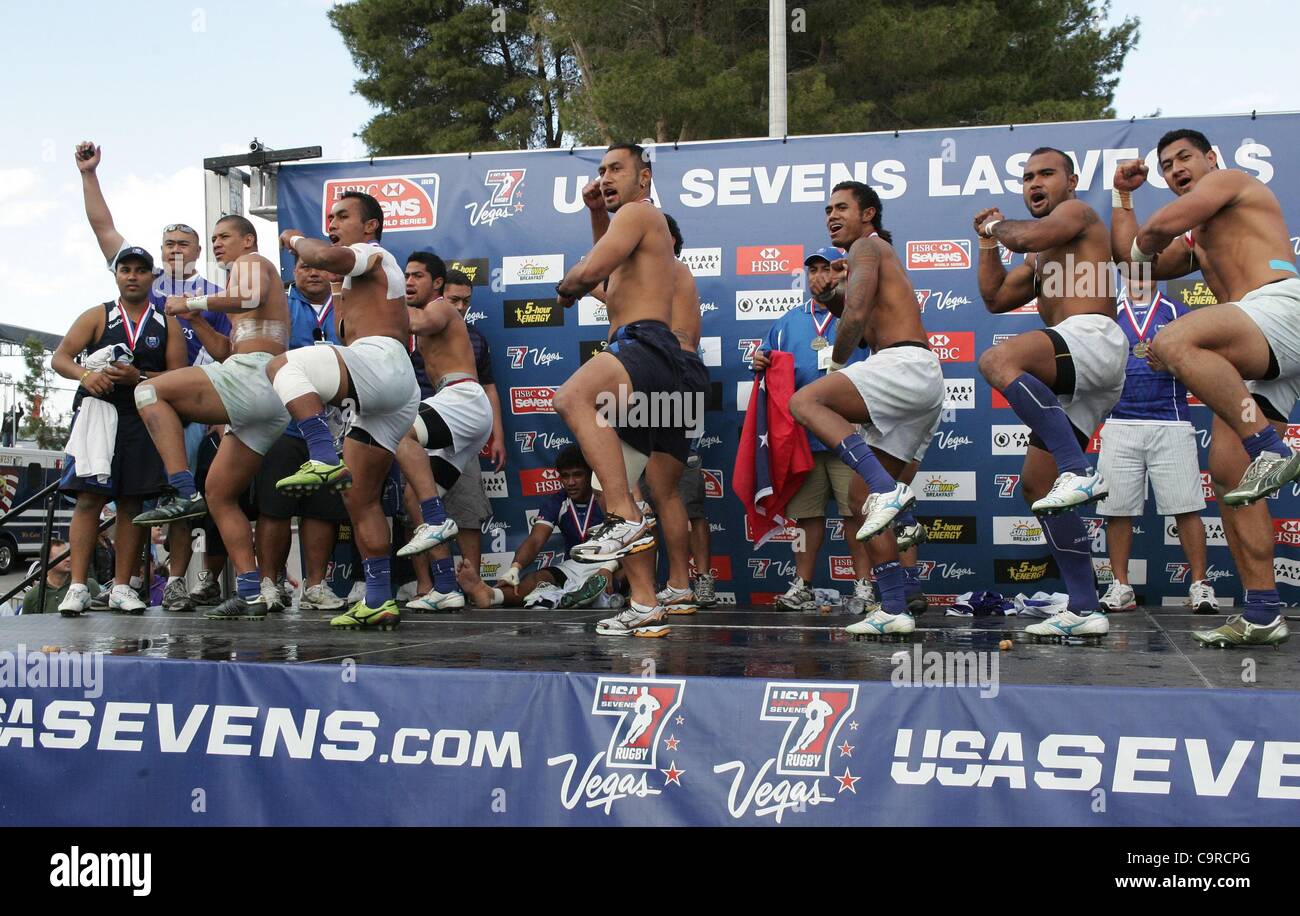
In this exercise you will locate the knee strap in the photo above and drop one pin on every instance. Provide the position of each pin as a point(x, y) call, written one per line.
point(308, 370)
point(431, 430)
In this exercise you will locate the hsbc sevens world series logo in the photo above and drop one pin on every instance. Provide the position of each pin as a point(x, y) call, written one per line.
point(644, 706)
point(504, 201)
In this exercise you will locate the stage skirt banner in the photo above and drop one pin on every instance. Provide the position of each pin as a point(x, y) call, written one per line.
point(156, 742)
point(751, 211)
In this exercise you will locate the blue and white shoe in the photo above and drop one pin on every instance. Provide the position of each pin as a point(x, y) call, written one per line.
point(880, 509)
point(1068, 623)
point(427, 537)
point(435, 600)
point(1071, 490)
point(882, 623)
point(1042, 604)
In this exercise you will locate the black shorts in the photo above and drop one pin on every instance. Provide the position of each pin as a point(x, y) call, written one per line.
point(677, 440)
point(649, 352)
point(213, 545)
point(137, 469)
point(282, 459)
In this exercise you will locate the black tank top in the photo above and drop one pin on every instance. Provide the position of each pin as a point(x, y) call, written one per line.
point(150, 350)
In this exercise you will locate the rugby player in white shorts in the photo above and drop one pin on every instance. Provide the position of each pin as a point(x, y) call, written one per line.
point(1228, 225)
point(1062, 380)
point(235, 392)
point(451, 428)
point(370, 377)
point(878, 414)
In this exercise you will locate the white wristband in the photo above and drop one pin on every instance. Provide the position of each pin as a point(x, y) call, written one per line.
point(1138, 255)
point(293, 242)
point(197, 304)
point(987, 229)
point(836, 367)
point(1121, 200)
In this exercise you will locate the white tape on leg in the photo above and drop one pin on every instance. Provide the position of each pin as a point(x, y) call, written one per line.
point(145, 395)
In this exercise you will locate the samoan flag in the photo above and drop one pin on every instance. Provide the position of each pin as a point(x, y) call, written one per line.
point(774, 457)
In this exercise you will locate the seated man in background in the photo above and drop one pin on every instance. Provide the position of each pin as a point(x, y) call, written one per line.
point(573, 583)
point(57, 580)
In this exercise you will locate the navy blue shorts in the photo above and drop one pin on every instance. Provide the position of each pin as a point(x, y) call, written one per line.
point(137, 468)
point(676, 440)
point(648, 351)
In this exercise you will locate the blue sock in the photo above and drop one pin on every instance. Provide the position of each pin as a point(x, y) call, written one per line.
point(1261, 607)
point(890, 582)
point(183, 484)
point(320, 443)
point(855, 452)
point(248, 585)
point(432, 513)
point(911, 581)
point(379, 581)
point(1035, 404)
point(1073, 551)
point(1266, 440)
point(905, 518)
point(444, 575)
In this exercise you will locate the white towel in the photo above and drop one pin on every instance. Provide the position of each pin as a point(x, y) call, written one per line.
point(94, 434)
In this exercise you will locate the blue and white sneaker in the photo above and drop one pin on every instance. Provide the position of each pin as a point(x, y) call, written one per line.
point(880, 509)
point(1068, 623)
point(1071, 490)
point(427, 537)
point(881, 623)
point(435, 600)
point(1042, 604)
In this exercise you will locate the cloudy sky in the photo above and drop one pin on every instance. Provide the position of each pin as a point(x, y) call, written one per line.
point(161, 85)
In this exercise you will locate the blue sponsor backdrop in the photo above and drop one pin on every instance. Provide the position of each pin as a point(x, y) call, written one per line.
point(183, 743)
point(749, 210)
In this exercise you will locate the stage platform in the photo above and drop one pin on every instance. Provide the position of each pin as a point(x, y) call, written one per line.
point(737, 717)
point(1148, 647)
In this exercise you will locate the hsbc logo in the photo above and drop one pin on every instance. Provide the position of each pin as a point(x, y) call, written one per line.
point(409, 202)
point(712, 483)
point(768, 259)
point(540, 481)
point(953, 346)
point(947, 254)
point(531, 400)
point(1286, 531)
point(1292, 437)
point(1207, 487)
point(1010, 439)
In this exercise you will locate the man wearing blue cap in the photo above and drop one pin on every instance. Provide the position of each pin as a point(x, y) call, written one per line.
point(808, 332)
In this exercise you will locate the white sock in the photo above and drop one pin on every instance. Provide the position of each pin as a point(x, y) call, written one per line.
point(136, 582)
point(171, 579)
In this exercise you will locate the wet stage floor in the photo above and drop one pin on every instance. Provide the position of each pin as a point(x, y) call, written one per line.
point(1149, 647)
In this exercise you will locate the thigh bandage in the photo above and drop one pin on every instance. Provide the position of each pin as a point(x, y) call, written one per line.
point(308, 370)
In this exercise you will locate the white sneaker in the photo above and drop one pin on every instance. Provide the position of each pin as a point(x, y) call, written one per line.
point(1069, 491)
point(1042, 604)
point(880, 509)
point(910, 536)
point(863, 600)
point(1068, 623)
point(207, 590)
point(427, 537)
point(358, 593)
point(320, 597)
point(437, 601)
point(677, 600)
point(546, 596)
point(634, 618)
point(271, 595)
point(123, 599)
point(1204, 601)
point(798, 597)
point(76, 602)
point(881, 623)
point(614, 539)
point(1119, 597)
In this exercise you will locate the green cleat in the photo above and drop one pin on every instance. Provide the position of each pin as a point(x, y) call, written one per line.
point(587, 592)
point(361, 617)
point(173, 508)
point(1239, 631)
point(312, 476)
point(1267, 474)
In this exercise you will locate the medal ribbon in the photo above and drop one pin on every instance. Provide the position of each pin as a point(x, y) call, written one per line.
point(821, 328)
point(132, 335)
point(586, 523)
point(325, 312)
point(1141, 331)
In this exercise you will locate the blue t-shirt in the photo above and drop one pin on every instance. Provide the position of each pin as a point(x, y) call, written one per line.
point(574, 521)
point(794, 333)
point(164, 285)
point(1149, 395)
point(304, 323)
